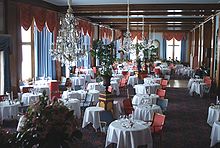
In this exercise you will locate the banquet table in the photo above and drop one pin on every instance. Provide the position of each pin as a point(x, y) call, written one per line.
point(95, 86)
point(29, 98)
point(215, 133)
point(146, 112)
point(129, 137)
point(213, 114)
point(91, 115)
point(132, 80)
point(8, 111)
point(74, 104)
point(42, 88)
point(138, 98)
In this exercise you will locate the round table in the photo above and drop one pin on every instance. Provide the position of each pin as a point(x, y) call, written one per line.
point(138, 134)
point(74, 104)
point(138, 98)
point(146, 112)
point(29, 98)
point(8, 111)
point(215, 136)
point(91, 115)
point(213, 114)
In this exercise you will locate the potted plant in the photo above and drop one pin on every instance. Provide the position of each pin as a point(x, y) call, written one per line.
point(104, 53)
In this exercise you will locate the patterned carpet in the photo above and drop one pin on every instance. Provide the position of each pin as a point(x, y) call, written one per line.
point(185, 125)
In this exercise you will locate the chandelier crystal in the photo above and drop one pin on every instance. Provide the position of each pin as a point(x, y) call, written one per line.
point(67, 48)
point(127, 41)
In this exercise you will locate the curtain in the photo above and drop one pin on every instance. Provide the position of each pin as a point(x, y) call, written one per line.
point(5, 44)
point(183, 50)
point(44, 65)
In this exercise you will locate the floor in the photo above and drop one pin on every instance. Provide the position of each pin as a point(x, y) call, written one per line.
point(178, 83)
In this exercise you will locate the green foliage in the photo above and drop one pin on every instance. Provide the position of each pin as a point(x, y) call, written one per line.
point(48, 125)
point(104, 53)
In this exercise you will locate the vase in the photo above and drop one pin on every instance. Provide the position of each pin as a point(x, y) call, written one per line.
point(106, 82)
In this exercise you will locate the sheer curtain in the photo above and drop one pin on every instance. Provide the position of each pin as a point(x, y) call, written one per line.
point(1, 72)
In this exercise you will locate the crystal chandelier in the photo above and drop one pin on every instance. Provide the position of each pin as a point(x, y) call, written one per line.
point(67, 47)
point(127, 42)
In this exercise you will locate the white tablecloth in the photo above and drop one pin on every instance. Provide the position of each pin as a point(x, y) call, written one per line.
point(42, 88)
point(198, 88)
point(133, 137)
point(152, 87)
point(7, 111)
point(132, 80)
point(146, 112)
point(29, 98)
point(91, 115)
point(150, 80)
point(140, 89)
point(77, 81)
point(96, 86)
point(213, 114)
point(215, 134)
point(74, 104)
point(81, 94)
point(193, 80)
point(137, 99)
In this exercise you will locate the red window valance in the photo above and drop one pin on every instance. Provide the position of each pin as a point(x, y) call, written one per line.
point(105, 31)
point(138, 34)
point(86, 27)
point(177, 35)
point(40, 15)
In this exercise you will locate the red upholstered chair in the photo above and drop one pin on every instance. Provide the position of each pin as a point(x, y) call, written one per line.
point(157, 71)
point(94, 70)
point(157, 126)
point(124, 72)
point(54, 89)
point(2, 97)
point(164, 84)
point(128, 108)
point(161, 93)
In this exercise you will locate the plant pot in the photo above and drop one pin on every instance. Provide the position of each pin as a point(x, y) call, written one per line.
point(106, 82)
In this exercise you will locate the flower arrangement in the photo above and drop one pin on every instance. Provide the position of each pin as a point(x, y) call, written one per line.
point(48, 125)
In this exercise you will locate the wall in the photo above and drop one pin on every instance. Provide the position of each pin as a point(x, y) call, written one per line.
point(2, 17)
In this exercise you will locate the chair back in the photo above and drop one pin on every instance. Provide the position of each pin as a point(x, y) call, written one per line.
point(123, 82)
point(158, 122)
point(128, 108)
point(54, 89)
point(163, 103)
point(106, 116)
point(161, 93)
point(164, 84)
point(157, 71)
point(94, 70)
point(2, 97)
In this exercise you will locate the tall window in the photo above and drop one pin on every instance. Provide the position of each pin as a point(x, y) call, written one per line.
point(26, 54)
point(173, 49)
point(1, 72)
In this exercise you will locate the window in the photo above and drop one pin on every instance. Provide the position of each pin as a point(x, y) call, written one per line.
point(1, 72)
point(173, 49)
point(26, 54)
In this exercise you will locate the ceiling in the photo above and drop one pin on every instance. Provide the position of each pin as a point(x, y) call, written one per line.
point(162, 15)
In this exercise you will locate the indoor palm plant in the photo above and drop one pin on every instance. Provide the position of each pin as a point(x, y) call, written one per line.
point(104, 53)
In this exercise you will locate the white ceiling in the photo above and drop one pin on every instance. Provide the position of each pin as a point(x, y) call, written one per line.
point(102, 2)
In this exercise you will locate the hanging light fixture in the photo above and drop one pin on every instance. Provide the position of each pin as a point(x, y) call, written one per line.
point(67, 47)
point(127, 42)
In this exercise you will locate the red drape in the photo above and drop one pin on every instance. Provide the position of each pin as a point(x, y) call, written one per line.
point(105, 31)
point(177, 35)
point(40, 15)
